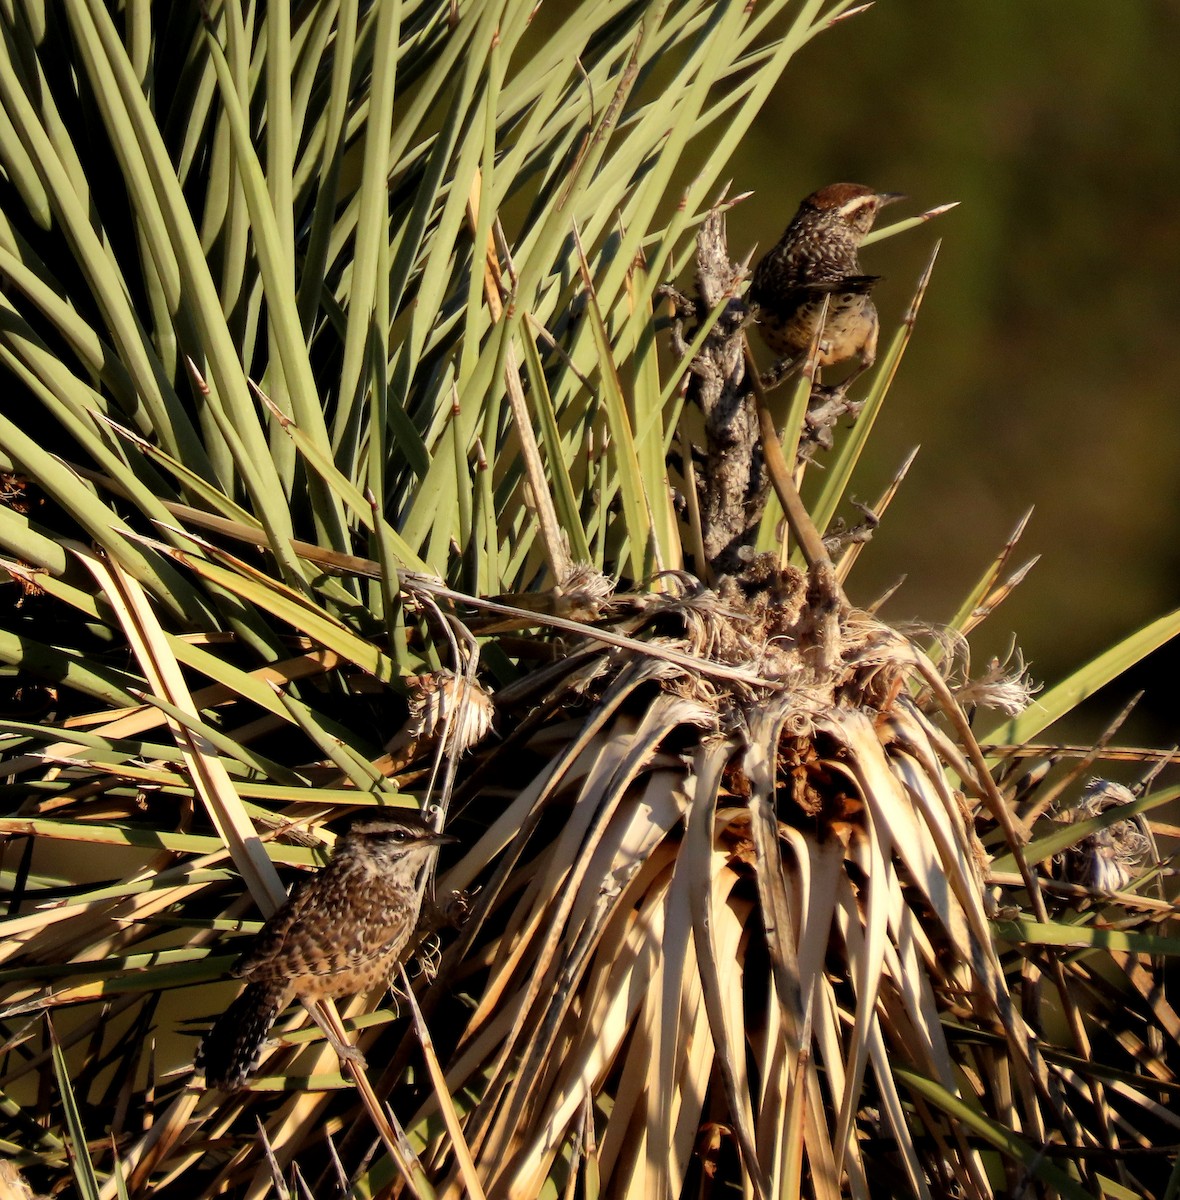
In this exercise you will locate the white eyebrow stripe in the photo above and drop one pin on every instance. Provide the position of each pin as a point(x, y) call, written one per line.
point(856, 204)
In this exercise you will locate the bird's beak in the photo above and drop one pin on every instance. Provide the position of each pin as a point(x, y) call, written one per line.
point(442, 839)
point(884, 198)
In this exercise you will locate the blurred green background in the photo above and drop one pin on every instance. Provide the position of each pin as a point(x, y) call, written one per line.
point(1043, 369)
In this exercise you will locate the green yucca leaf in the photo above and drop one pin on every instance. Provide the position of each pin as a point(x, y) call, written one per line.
point(1063, 697)
point(83, 1168)
point(998, 1136)
point(292, 364)
point(133, 128)
point(558, 463)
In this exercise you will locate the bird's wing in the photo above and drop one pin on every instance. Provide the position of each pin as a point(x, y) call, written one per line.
point(268, 944)
point(311, 935)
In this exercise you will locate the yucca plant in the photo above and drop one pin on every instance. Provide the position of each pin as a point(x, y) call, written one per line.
point(354, 456)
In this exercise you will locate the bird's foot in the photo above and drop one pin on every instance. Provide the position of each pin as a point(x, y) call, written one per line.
point(683, 305)
point(840, 535)
point(779, 373)
point(346, 1051)
point(828, 404)
point(825, 408)
point(834, 396)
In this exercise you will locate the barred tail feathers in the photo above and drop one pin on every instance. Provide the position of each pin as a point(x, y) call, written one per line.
point(231, 1050)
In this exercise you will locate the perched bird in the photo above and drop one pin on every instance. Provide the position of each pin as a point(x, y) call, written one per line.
point(339, 933)
point(817, 257)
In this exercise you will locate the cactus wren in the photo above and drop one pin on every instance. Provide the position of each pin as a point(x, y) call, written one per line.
point(817, 257)
point(338, 934)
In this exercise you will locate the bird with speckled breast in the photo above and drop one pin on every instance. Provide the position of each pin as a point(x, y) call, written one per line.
point(338, 934)
point(817, 258)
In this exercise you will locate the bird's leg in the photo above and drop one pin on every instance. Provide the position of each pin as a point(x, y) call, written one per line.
point(867, 360)
point(829, 404)
point(782, 367)
point(825, 409)
point(838, 391)
point(751, 314)
point(345, 1051)
point(325, 1019)
point(780, 372)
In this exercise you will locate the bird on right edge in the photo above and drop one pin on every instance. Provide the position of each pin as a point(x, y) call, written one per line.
point(817, 257)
